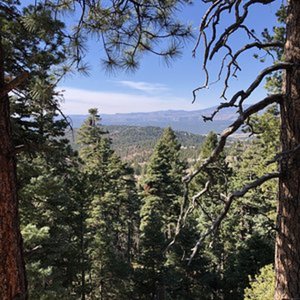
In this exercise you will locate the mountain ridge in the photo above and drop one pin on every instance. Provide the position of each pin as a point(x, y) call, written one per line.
point(181, 120)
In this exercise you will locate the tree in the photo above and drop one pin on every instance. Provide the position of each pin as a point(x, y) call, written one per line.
point(262, 285)
point(16, 42)
point(31, 44)
point(287, 243)
point(52, 223)
point(51, 189)
point(161, 205)
point(112, 213)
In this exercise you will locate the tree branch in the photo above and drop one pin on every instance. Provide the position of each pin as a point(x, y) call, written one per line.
point(243, 95)
point(233, 128)
point(13, 84)
point(228, 200)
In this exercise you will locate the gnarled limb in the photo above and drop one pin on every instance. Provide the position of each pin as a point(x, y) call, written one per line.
point(239, 97)
point(244, 115)
point(228, 202)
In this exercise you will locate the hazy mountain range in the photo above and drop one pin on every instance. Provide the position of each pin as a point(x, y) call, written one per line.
point(190, 121)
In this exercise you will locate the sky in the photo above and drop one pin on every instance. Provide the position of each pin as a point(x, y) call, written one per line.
point(157, 86)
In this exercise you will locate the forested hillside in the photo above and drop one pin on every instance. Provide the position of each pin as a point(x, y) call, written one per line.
point(93, 231)
point(135, 144)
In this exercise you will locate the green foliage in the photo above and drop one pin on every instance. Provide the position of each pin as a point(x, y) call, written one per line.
point(86, 235)
point(162, 273)
point(112, 215)
point(274, 82)
point(135, 144)
point(262, 286)
point(252, 217)
point(51, 217)
point(162, 189)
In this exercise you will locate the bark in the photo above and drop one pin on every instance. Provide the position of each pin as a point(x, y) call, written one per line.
point(287, 260)
point(12, 269)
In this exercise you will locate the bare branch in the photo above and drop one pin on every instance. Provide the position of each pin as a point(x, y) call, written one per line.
point(233, 128)
point(183, 214)
point(212, 45)
point(243, 95)
point(235, 26)
point(233, 61)
point(213, 157)
point(229, 199)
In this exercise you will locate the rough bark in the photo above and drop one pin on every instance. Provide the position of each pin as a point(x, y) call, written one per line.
point(12, 270)
point(287, 260)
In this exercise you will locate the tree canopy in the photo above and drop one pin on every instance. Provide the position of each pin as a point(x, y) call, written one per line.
point(87, 230)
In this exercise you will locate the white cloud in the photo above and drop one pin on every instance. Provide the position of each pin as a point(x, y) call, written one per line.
point(78, 101)
point(147, 87)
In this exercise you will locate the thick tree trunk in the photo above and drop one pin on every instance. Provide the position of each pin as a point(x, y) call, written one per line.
point(12, 270)
point(288, 239)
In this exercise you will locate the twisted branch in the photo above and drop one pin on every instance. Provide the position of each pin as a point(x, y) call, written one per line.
point(229, 200)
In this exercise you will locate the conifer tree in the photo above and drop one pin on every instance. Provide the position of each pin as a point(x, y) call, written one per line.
point(53, 213)
point(161, 205)
point(112, 219)
point(32, 42)
point(207, 208)
point(24, 50)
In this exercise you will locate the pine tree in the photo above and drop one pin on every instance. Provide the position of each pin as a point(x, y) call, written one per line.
point(24, 50)
point(52, 208)
point(207, 207)
point(253, 216)
point(112, 219)
point(161, 206)
point(32, 43)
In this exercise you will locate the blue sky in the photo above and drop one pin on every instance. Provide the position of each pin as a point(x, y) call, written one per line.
point(156, 86)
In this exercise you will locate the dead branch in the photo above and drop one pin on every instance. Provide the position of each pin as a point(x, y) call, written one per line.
point(243, 95)
point(244, 115)
point(214, 42)
point(234, 62)
point(211, 19)
point(229, 200)
point(183, 214)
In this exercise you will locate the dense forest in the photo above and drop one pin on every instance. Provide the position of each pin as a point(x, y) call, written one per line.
point(93, 231)
point(83, 222)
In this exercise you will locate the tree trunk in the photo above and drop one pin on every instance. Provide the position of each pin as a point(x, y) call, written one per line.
point(287, 260)
point(12, 269)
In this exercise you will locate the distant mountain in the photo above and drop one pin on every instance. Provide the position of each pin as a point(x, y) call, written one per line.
point(190, 121)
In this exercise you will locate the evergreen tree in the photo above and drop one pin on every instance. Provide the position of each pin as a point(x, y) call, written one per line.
point(53, 213)
point(254, 214)
point(161, 206)
point(248, 226)
point(112, 219)
point(207, 208)
point(32, 42)
point(24, 50)
point(262, 285)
